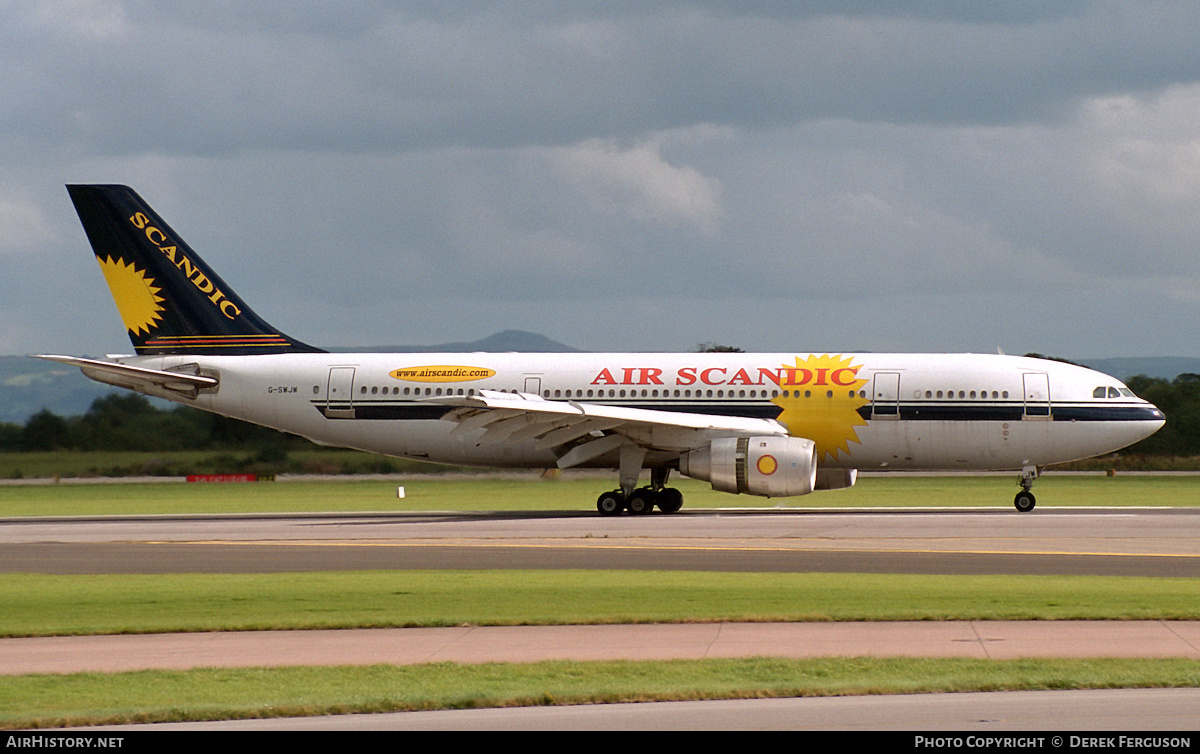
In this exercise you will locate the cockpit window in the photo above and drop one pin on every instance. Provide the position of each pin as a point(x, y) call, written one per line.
point(1114, 393)
point(1098, 392)
point(1127, 393)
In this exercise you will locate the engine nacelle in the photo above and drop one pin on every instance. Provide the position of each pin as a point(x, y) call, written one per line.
point(766, 466)
point(836, 479)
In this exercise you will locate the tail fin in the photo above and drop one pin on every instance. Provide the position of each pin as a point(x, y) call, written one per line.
point(169, 299)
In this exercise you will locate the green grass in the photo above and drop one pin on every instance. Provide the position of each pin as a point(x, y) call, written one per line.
point(42, 605)
point(570, 492)
point(215, 694)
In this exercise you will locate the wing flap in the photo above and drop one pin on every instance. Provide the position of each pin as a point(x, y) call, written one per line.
point(524, 416)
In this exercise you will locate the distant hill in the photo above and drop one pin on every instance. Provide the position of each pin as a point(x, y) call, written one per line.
point(517, 341)
point(29, 385)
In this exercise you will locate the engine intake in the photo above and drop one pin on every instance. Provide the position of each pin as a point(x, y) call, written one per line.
point(766, 466)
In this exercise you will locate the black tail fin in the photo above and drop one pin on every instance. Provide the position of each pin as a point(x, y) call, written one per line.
point(169, 299)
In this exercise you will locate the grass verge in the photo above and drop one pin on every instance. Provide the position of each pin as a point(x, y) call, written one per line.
point(43, 605)
point(210, 694)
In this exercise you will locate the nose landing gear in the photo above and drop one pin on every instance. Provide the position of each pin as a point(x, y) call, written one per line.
point(1024, 501)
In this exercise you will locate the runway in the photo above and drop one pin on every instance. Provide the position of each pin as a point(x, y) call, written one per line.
point(1068, 541)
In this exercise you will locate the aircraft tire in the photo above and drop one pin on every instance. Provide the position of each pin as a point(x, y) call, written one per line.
point(610, 503)
point(1025, 501)
point(641, 502)
point(670, 500)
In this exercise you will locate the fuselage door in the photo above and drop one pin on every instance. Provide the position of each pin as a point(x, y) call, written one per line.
point(533, 385)
point(339, 395)
point(885, 396)
point(1037, 395)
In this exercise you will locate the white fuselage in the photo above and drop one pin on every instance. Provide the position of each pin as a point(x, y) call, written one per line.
point(864, 411)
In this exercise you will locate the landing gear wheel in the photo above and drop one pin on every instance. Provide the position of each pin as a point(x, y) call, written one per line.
point(611, 503)
point(641, 502)
point(670, 500)
point(1025, 501)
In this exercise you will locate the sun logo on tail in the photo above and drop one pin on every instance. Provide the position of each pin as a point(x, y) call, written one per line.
point(136, 295)
point(820, 401)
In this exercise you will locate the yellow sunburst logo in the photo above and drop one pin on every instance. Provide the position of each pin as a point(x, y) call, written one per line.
point(820, 401)
point(136, 295)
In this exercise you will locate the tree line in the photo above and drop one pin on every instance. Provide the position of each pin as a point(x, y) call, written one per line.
point(1179, 399)
point(127, 421)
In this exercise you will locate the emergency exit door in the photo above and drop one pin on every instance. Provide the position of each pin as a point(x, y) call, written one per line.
point(885, 395)
point(339, 394)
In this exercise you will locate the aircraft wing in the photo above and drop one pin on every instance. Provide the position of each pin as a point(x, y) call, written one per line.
point(524, 416)
point(138, 378)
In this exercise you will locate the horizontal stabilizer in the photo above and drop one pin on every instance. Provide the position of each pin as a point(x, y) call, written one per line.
point(137, 378)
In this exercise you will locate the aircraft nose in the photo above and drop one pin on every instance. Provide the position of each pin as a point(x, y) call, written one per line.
point(1155, 419)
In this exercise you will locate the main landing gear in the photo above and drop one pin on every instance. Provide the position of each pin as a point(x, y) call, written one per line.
point(641, 501)
point(1025, 500)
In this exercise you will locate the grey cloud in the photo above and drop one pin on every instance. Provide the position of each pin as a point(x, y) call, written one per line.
point(185, 78)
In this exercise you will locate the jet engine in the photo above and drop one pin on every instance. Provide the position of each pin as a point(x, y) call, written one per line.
point(766, 466)
point(836, 479)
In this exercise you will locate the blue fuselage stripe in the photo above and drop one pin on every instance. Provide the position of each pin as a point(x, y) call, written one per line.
point(919, 411)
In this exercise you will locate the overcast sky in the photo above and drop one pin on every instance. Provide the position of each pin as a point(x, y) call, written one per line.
point(811, 176)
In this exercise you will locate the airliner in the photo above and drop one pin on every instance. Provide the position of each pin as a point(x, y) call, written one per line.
point(768, 424)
